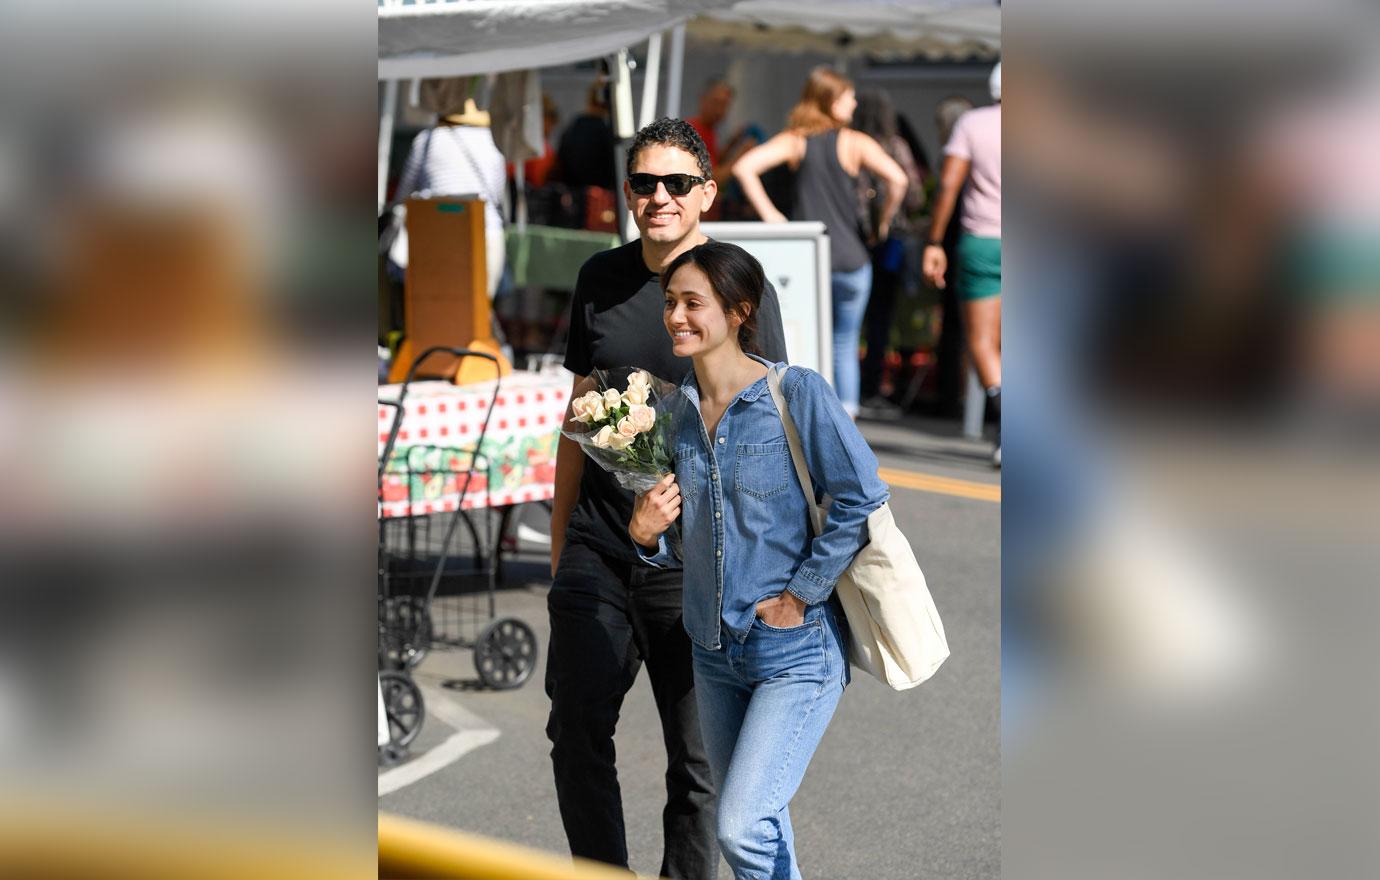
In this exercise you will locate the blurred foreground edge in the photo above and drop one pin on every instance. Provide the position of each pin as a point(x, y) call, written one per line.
point(100, 838)
point(408, 848)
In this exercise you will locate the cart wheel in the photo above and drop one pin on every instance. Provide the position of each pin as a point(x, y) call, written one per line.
point(402, 703)
point(414, 619)
point(407, 632)
point(505, 654)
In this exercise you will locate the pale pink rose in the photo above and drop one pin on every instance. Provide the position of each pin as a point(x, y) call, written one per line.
point(618, 441)
point(612, 399)
point(639, 388)
point(626, 427)
point(642, 419)
point(604, 439)
point(597, 406)
point(636, 395)
point(588, 408)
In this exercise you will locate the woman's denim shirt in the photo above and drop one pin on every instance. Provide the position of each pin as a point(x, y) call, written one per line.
point(745, 532)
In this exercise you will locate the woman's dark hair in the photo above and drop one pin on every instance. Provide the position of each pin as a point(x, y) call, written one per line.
point(875, 115)
point(737, 279)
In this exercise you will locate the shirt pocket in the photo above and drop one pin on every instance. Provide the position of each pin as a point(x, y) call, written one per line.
point(689, 471)
point(762, 470)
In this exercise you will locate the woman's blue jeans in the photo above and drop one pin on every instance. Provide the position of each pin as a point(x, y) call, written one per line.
point(850, 291)
point(764, 705)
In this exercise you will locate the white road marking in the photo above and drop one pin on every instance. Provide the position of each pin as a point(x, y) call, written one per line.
point(532, 536)
point(471, 733)
point(440, 705)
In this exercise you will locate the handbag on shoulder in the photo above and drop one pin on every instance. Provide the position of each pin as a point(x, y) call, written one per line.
point(894, 629)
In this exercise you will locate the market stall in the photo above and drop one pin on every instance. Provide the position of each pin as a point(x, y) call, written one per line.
point(436, 443)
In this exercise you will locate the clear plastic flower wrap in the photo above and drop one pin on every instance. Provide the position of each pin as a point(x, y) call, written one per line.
point(621, 419)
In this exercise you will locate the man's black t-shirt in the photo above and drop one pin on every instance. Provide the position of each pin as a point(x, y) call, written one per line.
point(616, 321)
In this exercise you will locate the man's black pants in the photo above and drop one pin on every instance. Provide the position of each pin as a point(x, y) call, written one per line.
point(608, 617)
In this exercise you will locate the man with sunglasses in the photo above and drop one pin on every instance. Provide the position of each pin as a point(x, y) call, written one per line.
point(610, 612)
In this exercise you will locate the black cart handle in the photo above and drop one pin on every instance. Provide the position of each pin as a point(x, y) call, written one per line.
point(392, 436)
point(458, 352)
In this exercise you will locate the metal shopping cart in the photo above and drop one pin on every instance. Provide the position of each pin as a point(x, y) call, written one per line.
point(426, 601)
point(401, 707)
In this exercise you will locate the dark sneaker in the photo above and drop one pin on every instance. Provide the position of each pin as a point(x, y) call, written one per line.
point(879, 409)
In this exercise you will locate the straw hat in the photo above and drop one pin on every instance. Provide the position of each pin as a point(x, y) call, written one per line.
point(472, 115)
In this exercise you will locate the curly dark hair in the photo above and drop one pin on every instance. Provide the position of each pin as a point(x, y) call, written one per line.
point(737, 279)
point(671, 133)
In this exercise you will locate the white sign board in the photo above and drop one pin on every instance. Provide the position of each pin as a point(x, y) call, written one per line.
point(795, 257)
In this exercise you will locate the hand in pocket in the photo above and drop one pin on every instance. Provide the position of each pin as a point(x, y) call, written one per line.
point(783, 611)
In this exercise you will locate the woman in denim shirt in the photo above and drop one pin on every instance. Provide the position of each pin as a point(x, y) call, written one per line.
point(769, 654)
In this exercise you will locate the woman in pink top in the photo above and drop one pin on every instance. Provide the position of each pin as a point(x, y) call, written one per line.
point(973, 156)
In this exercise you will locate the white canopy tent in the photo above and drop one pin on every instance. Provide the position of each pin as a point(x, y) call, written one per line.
point(899, 29)
point(465, 37)
point(447, 38)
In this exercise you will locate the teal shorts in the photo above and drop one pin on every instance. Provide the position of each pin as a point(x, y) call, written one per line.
point(979, 267)
point(1336, 267)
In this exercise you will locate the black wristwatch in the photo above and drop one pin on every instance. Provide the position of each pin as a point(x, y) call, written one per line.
point(938, 244)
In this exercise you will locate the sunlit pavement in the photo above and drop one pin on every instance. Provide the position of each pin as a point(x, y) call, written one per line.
point(905, 785)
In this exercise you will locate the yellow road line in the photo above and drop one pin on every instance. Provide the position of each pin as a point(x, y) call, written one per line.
point(940, 485)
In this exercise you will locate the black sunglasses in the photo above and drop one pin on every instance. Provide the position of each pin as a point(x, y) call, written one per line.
point(676, 184)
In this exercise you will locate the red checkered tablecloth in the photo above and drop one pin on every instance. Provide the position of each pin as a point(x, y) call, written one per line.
point(436, 443)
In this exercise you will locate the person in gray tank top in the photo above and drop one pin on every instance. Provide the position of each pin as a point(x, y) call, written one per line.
point(827, 155)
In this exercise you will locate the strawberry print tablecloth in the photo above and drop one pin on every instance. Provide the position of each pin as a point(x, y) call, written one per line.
point(436, 443)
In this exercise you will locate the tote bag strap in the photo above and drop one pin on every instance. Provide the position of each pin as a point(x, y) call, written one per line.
point(797, 451)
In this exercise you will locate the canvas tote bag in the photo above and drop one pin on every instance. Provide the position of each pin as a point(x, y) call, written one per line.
point(895, 631)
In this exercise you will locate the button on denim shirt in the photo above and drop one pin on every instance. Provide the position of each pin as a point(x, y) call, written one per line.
point(745, 531)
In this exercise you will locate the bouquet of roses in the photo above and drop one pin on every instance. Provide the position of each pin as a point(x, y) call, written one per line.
point(614, 417)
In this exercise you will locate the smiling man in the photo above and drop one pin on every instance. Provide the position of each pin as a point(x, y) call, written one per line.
point(610, 611)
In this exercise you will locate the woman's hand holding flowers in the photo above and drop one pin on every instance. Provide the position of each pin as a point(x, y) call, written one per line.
point(654, 511)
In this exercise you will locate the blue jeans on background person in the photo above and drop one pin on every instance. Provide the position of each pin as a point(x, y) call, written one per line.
point(764, 704)
point(850, 291)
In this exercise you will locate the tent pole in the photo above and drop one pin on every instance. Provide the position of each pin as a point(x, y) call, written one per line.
point(673, 73)
point(390, 108)
point(623, 130)
point(627, 227)
point(650, 80)
point(620, 97)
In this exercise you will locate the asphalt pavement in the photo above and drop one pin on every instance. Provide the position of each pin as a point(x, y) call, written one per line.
point(904, 785)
